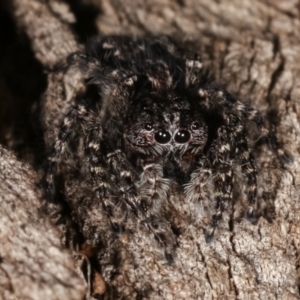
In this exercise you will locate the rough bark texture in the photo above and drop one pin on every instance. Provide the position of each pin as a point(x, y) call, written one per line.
point(33, 263)
point(253, 47)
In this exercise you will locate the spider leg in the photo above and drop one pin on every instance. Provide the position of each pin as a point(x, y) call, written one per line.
point(153, 189)
point(67, 129)
point(196, 189)
point(152, 186)
point(103, 188)
point(193, 71)
point(254, 116)
point(248, 165)
point(87, 121)
point(222, 164)
point(214, 94)
point(89, 65)
point(124, 177)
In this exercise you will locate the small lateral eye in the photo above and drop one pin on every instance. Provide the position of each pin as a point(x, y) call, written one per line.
point(148, 126)
point(195, 126)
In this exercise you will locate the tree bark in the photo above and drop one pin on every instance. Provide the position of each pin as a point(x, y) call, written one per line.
point(250, 46)
point(33, 264)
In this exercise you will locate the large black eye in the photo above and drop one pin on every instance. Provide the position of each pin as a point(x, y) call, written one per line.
point(148, 126)
point(162, 137)
point(182, 136)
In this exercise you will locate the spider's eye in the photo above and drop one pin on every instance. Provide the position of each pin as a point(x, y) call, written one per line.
point(195, 126)
point(148, 126)
point(182, 136)
point(162, 137)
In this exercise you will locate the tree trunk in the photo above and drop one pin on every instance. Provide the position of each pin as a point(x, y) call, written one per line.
point(253, 48)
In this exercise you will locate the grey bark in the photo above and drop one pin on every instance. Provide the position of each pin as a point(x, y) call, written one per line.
point(33, 264)
point(253, 48)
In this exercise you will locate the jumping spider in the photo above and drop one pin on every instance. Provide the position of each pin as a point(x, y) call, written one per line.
point(158, 119)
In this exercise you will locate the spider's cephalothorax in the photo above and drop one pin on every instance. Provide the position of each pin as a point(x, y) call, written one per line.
point(164, 122)
point(155, 109)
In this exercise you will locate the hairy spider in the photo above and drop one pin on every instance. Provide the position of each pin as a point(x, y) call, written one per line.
point(158, 119)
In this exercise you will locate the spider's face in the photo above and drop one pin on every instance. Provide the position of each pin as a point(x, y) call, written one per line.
point(146, 130)
point(191, 134)
point(159, 125)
